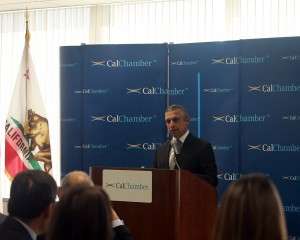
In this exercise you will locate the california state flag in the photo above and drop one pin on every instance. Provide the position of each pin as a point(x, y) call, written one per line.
point(27, 142)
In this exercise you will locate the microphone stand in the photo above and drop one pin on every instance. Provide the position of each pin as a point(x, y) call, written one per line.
point(178, 183)
point(177, 152)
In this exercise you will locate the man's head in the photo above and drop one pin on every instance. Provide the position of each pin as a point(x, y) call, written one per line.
point(82, 213)
point(72, 179)
point(177, 120)
point(32, 192)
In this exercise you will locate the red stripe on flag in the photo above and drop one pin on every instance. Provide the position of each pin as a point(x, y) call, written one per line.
point(13, 163)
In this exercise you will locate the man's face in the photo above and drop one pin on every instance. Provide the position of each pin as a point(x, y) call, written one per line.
point(176, 123)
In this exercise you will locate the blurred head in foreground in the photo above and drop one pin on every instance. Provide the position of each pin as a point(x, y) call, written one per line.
point(251, 209)
point(82, 213)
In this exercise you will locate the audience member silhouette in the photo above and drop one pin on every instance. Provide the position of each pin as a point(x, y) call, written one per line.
point(80, 178)
point(32, 197)
point(83, 213)
point(251, 209)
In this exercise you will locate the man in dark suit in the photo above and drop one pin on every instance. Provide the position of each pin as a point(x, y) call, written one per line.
point(32, 196)
point(183, 150)
point(79, 178)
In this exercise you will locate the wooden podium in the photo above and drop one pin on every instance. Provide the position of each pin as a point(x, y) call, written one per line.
point(183, 207)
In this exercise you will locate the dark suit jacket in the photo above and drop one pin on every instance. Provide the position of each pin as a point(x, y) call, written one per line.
point(11, 229)
point(2, 217)
point(196, 156)
point(121, 233)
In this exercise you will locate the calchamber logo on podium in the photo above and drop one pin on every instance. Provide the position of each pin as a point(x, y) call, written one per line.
point(123, 119)
point(274, 147)
point(123, 63)
point(156, 91)
point(146, 146)
point(237, 118)
point(274, 88)
point(233, 60)
point(128, 186)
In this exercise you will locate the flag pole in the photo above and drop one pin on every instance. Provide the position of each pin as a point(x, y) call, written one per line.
point(27, 39)
point(27, 34)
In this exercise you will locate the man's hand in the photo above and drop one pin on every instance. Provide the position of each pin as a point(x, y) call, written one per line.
point(114, 214)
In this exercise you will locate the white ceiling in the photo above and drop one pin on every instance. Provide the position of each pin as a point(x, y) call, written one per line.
point(10, 5)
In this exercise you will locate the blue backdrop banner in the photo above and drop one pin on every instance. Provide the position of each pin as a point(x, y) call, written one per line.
point(122, 92)
point(243, 97)
point(71, 75)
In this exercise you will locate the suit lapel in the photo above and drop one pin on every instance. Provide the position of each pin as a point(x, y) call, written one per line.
point(166, 154)
point(187, 142)
point(183, 160)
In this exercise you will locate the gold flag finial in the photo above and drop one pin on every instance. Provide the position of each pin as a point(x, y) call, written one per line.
point(27, 34)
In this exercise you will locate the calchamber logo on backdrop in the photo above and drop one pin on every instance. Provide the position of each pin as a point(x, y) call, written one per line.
point(290, 58)
point(274, 88)
point(123, 63)
point(237, 118)
point(182, 62)
point(291, 117)
point(69, 65)
point(194, 119)
point(292, 237)
point(157, 91)
point(146, 146)
point(229, 176)
point(87, 146)
point(225, 148)
point(291, 178)
point(217, 90)
point(274, 147)
point(88, 91)
point(123, 118)
point(291, 208)
point(241, 60)
point(233, 176)
point(65, 120)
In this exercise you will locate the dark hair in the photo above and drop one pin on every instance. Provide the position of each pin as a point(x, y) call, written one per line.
point(251, 209)
point(31, 192)
point(83, 213)
point(175, 107)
